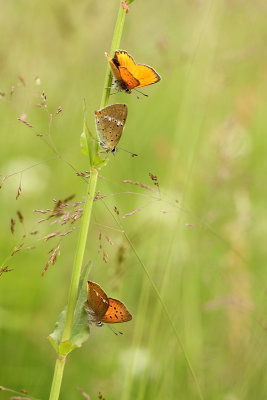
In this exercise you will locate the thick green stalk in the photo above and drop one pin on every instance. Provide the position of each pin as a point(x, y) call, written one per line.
point(76, 272)
point(73, 292)
point(57, 379)
point(114, 46)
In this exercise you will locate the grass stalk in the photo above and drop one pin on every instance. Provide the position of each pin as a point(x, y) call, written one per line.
point(57, 378)
point(91, 189)
point(114, 46)
point(73, 292)
point(76, 272)
point(166, 311)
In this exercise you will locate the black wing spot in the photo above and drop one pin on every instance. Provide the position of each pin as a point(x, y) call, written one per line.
point(116, 316)
point(116, 62)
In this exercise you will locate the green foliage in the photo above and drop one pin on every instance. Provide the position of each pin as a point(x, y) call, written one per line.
point(84, 144)
point(80, 328)
point(89, 145)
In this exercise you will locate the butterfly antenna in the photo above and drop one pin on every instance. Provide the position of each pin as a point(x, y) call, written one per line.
point(139, 91)
point(115, 331)
point(129, 152)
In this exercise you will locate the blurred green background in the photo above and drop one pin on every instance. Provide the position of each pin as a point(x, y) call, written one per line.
point(202, 132)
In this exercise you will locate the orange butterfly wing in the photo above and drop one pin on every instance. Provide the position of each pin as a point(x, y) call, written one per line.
point(124, 59)
point(129, 81)
point(116, 312)
point(123, 77)
point(97, 301)
point(143, 73)
point(114, 68)
point(101, 308)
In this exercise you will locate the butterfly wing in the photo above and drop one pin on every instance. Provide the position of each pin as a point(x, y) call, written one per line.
point(123, 59)
point(119, 65)
point(118, 111)
point(116, 312)
point(110, 123)
point(131, 72)
point(145, 75)
point(129, 81)
point(114, 68)
point(97, 302)
point(113, 118)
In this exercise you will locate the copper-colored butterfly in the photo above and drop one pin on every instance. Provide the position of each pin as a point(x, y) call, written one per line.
point(128, 75)
point(103, 309)
point(110, 123)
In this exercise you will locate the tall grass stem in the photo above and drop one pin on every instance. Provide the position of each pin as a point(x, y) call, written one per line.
point(87, 212)
point(76, 272)
point(114, 46)
point(57, 379)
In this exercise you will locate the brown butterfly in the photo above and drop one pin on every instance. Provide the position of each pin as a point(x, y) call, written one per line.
point(128, 75)
point(110, 123)
point(103, 309)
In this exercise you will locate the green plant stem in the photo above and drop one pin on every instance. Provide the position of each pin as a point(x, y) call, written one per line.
point(76, 272)
point(87, 212)
point(114, 46)
point(57, 379)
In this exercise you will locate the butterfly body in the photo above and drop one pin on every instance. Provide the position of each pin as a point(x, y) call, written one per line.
point(103, 309)
point(128, 75)
point(110, 123)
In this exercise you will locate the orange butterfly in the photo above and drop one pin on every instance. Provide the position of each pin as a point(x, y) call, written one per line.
point(128, 75)
point(103, 309)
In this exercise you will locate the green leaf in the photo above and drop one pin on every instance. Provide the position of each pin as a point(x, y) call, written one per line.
point(66, 347)
point(99, 162)
point(56, 336)
point(83, 144)
point(80, 328)
point(87, 140)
